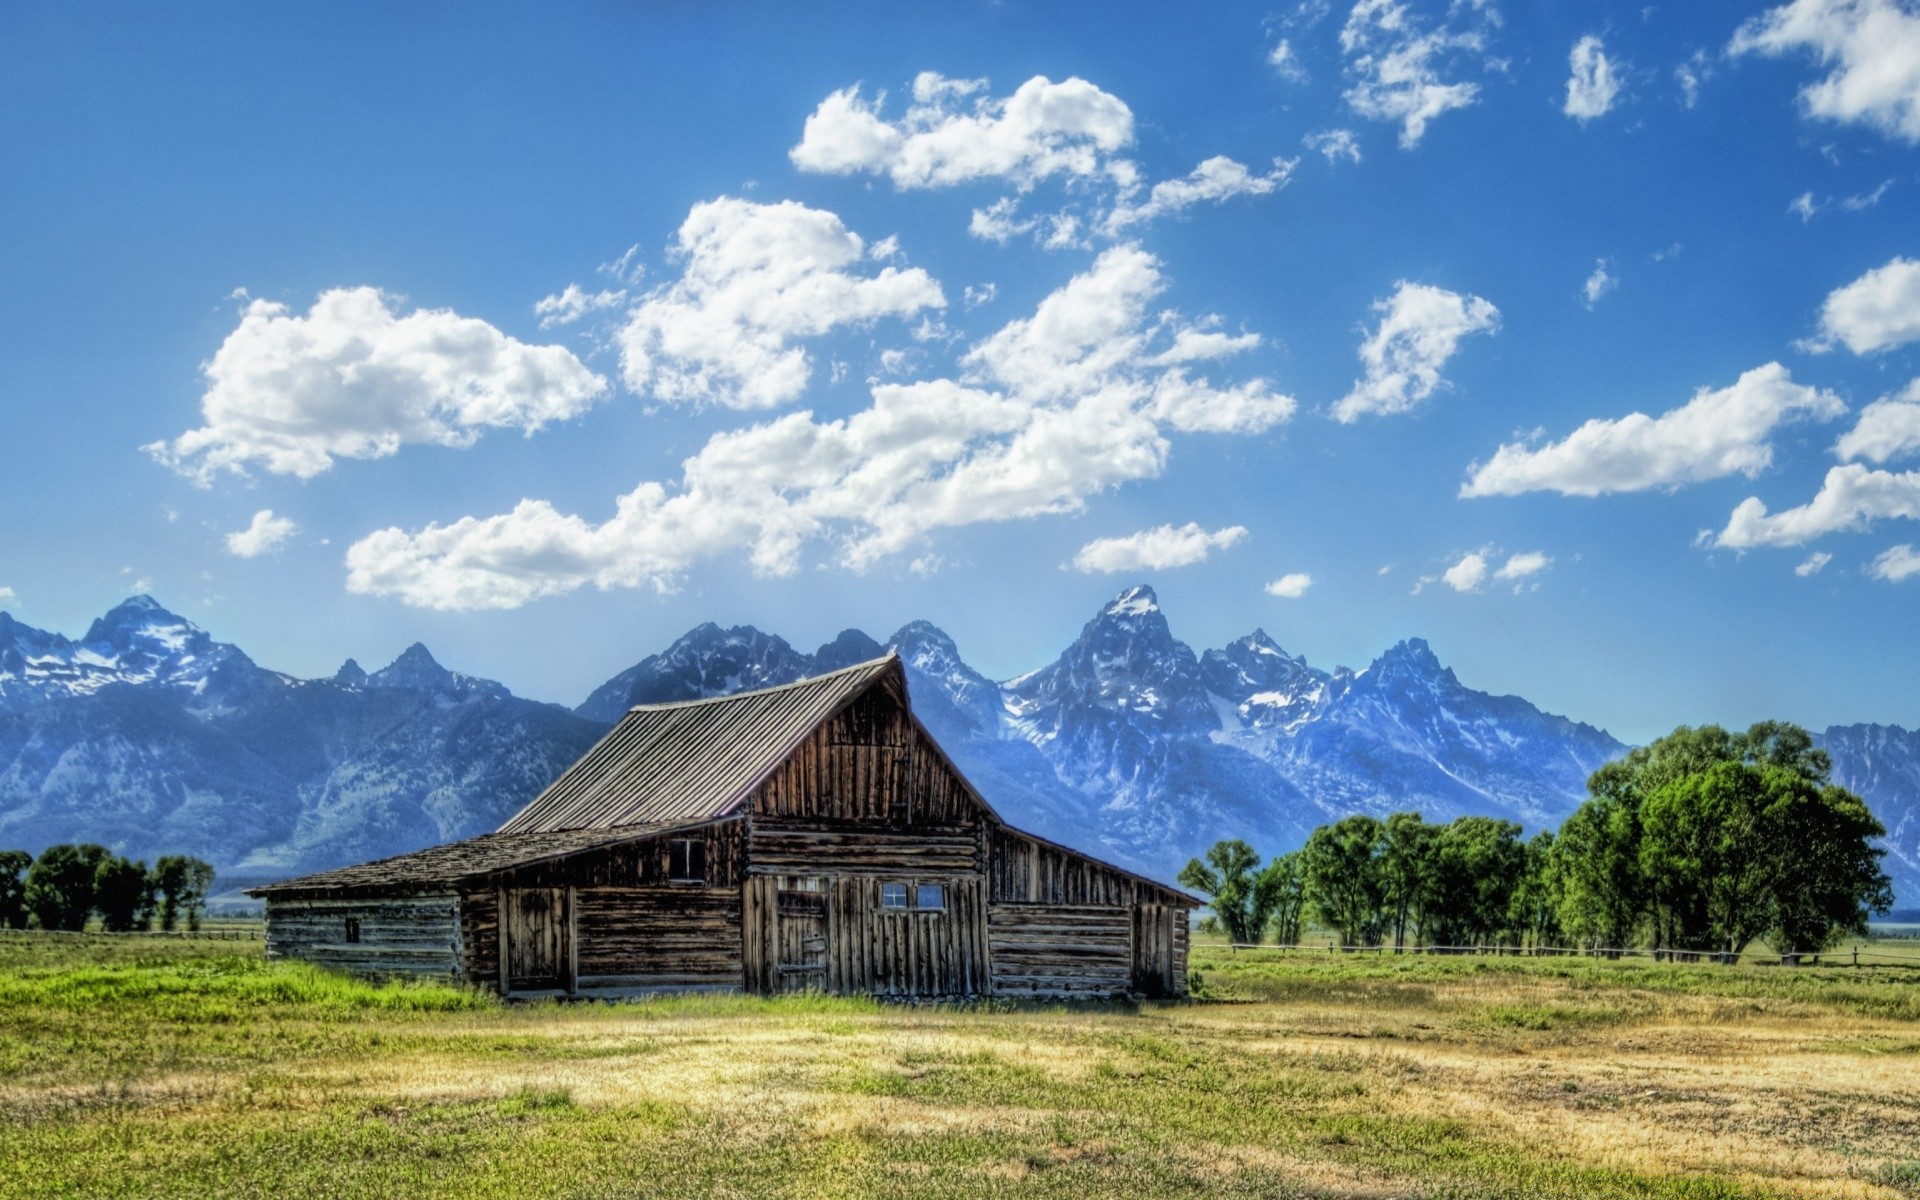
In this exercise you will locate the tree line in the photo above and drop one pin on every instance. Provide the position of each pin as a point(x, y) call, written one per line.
point(67, 884)
point(1704, 841)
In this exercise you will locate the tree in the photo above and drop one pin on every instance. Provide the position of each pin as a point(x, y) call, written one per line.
point(1406, 852)
point(1342, 878)
point(1533, 911)
point(13, 889)
point(1476, 863)
point(1597, 862)
point(59, 889)
point(182, 884)
point(1286, 893)
point(1709, 833)
point(1826, 876)
point(1232, 889)
point(123, 894)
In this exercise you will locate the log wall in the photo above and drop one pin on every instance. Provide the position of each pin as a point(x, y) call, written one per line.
point(669, 938)
point(1060, 950)
point(865, 948)
point(405, 935)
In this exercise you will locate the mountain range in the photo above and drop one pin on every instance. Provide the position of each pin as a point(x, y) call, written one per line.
point(150, 737)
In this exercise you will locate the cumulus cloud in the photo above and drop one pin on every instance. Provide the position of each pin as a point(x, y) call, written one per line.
point(1214, 180)
point(1851, 497)
point(1396, 64)
point(1871, 49)
point(265, 534)
point(1052, 408)
point(953, 133)
point(1420, 329)
point(1813, 564)
point(1286, 63)
point(1719, 432)
point(1599, 283)
point(1155, 549)
point(1593, 84)
point(1878, 311)
point(1520, 566)
point(1468, 574)
point(566, 307)
point(1888, 428)
point(756, 279)
point(1291, 586)
point(1334, 144)
point(1895, 564)
point(353, 378)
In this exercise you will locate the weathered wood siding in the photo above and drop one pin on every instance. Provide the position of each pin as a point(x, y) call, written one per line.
point(864, 947)
point(673, 937)
point(1061, 950)
point(402, 935)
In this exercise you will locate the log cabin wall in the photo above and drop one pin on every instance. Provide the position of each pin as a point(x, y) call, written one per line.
point(416, 936)
point(866, 804)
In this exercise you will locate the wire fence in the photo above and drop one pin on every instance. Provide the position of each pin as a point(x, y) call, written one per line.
point(1847, 956)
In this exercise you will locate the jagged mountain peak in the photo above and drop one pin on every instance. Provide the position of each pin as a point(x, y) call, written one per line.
point(1411, 658)
point(350, 675)
point(849, 647)
point(417, 669)
point(1137, 601)
point(142, 618)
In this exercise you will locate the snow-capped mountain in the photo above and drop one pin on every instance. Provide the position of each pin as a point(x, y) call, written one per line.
point(148, 735)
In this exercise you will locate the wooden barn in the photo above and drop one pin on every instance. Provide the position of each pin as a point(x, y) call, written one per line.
point(812, 836)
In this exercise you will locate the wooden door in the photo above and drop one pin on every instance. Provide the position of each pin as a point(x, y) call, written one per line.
point(1153, 949)
point(539, 948)
point(800, 938)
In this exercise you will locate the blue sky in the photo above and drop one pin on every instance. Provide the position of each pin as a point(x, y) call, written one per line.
point(978, 315)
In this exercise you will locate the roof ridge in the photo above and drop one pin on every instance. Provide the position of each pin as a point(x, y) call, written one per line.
point(809, 681)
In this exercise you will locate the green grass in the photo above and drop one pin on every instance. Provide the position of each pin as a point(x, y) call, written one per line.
point(137, 1067)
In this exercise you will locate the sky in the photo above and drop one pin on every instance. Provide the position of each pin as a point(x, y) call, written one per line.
point(1580, 339)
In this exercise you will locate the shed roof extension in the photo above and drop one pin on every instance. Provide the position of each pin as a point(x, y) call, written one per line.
point(696, 759)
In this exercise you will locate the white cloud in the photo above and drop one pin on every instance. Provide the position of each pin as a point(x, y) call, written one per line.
point(1878, 311)
point(1895, 564)
point(1717, 433)
point(953, 134)
point(1291, 586)
point(265, 534)
point(1420, 329)
point(1519, 566)
point(1872, 51)
point(1468, 574)
point(8, 596)
point(1286, 63)
point(976, 296)
point(1599, 283)
point(1334, 144)
point(1396, 66)
point(1051, 409)
point(1805, 207)
point(1888, 428)
point(1691, 75)
point(1216, 179)
point(568, 306)
point(1813, 565)
point(354, 379)
point(1593, 84)
point(1851, 497)
point(1867, 200)
point(755, 280)
point(1155, 549)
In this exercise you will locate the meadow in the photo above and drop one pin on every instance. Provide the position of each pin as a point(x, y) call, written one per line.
point(142, 1067)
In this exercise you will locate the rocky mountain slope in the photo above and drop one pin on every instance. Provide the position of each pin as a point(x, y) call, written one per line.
point(148, 735)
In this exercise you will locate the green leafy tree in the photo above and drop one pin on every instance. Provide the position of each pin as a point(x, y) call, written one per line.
point(1286, 894)
point(123, 893)
point(1596, 859)
point(1709, 831)
point(1826, 875)
point(1229, 880)
point(1405, 870)
point(1342, 876)
point(181, 885)
point(1477, 862)
point(1533, 911)
point(59, 889)
point(13, 888)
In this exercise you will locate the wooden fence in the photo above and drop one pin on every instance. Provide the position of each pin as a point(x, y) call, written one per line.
point(227, 933)
point(1854, 956)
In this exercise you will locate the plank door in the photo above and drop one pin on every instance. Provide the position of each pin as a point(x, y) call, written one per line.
point(800, 938)
point(1153, 949)
point(535, 921)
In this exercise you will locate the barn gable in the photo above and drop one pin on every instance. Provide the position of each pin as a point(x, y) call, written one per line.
point(807, 837)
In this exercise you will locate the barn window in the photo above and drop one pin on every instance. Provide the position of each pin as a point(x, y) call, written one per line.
point(687, 859)
point(353, 929)
point(893, 895)
point(931, 897)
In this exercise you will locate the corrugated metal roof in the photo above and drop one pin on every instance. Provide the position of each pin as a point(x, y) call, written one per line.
point(694, 760)
point(445, 865)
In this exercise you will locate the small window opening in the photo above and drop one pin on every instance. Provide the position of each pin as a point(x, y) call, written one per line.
point(930, 897)
point(353, 929)
point(893, 895)
point(687, 860)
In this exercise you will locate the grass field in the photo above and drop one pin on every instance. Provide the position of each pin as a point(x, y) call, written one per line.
point(141, 1067)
